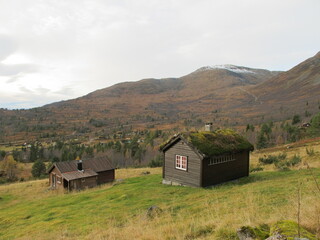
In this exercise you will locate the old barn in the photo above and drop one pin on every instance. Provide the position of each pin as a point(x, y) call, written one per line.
point(201, 159)
point(80, 174)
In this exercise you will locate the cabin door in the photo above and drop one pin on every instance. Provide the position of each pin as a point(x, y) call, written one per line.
point(53, 180)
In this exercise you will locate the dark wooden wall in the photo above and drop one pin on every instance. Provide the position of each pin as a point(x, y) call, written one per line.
point(106, 176)
point(88, 182)
point(218, 173)
point(191, 177)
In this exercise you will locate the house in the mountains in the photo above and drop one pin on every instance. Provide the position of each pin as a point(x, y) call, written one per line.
point(80, 174)
point(201, 159)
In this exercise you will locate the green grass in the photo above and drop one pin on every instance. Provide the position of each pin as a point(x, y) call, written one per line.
point(29, 211)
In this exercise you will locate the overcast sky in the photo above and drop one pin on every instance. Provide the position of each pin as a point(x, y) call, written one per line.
point(52, 50)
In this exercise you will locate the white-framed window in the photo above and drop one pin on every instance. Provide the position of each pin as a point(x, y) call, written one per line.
point(222, 159)
point(181, 162)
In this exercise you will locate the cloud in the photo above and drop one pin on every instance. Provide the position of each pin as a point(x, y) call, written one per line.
point(65, 91)
point(14, 78)
point(7, 47)
point(15, 69)
point(77, 46)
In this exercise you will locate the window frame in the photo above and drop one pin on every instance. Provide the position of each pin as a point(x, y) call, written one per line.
point(179, 159)
point(222, 159)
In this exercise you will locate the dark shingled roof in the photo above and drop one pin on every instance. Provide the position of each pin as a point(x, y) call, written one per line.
point(96, 164)
point(210, 144)
point(79, 174)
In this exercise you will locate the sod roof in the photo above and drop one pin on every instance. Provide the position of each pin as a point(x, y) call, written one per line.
point(219, 142)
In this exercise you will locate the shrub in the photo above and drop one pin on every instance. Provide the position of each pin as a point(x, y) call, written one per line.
point(285, 164)
point(256, 169)
point(296, 119)
point(268, 160)
point(38, 169)
point(310, 152)
point(272, 158)
point(294, 160)
point(157, 161)
point(282, 156)
point(282, 166)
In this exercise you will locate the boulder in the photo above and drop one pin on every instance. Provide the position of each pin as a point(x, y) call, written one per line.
point(246, 233)
point(277, 236)
point(153, 211)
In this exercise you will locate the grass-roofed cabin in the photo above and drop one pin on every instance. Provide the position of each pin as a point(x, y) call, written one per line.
point(201, 159)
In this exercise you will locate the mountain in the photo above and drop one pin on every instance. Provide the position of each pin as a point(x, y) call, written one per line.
point(165, 100)
point(297, 90)
point(227, 95)
point(301, 81)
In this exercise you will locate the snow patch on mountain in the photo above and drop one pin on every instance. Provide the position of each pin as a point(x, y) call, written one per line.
point(228, 67)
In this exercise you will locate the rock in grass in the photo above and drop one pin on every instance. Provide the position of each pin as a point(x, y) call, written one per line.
point(277, 236)
point(249, 233)
point(154, 211)
point(246, 233)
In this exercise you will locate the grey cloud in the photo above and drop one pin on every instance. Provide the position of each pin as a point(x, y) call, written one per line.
point(7, 47)
point(42, 90)
point(67, 91)
point(14, 69)
point(25, 90)
point(14, 78)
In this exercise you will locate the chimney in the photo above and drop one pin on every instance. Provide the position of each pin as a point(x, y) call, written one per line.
point(79, 164)
point(208, 127)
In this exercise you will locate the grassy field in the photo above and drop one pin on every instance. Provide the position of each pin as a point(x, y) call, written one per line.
point(28, 210)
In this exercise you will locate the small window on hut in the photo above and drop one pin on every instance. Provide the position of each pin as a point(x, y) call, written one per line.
point(222, 159)
point(181, 162)
point(83, 179)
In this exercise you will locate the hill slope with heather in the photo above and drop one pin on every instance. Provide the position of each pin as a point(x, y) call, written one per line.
point(227, 95)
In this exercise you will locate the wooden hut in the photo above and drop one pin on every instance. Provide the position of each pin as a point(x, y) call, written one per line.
point(80, 174)
point(201, 159)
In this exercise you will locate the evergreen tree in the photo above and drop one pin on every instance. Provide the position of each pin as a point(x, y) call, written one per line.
point(262, 141)
point(38, 169)
point(314, 129)
point(33, 153)
point(296, 119)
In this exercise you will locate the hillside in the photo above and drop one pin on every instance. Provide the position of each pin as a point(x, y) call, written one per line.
point(160, 102)
point(298, 87)
point(226, 95)
point(29, 211)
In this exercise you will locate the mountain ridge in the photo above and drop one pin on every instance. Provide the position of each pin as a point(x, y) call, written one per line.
point(228, 95)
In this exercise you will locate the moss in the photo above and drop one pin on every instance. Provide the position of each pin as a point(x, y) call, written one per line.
point(218, 142)
point(290, 230)
point(262, 232)
point(259, 233)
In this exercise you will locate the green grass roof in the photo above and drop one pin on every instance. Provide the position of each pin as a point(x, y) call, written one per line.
point(218, 142)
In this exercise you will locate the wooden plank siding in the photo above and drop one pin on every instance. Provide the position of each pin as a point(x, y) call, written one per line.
point(106, 176)
point(191, 177)
point(56, 174)
point(82, 183)
point(222, 172)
